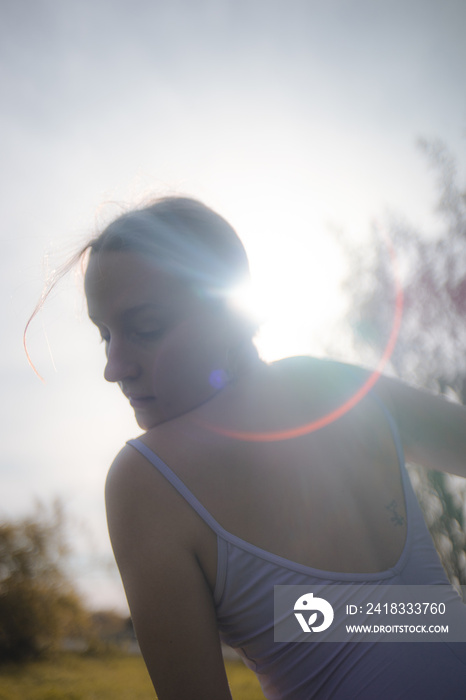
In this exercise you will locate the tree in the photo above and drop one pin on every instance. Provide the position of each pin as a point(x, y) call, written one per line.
point(430, 351)
point(38, 605)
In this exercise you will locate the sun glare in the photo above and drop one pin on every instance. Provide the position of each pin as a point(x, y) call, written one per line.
point(295, 295)
point(283, 216)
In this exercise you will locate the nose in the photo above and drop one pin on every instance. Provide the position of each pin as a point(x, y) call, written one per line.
point(121, 364)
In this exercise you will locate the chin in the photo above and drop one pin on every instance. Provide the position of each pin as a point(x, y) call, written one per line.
point(145, 422)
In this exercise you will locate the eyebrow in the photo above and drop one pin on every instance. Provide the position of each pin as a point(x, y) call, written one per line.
point(133, 310)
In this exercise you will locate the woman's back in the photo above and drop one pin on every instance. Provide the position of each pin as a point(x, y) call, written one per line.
point(331, 507)
point(331, 499)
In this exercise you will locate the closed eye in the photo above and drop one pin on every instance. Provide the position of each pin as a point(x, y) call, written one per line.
point(103, 337)
point(148, 335)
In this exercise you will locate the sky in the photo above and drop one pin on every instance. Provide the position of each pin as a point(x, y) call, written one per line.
point(289, 117)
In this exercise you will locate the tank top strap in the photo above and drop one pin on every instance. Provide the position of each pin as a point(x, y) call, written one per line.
point(410, 496)
point(176, 482)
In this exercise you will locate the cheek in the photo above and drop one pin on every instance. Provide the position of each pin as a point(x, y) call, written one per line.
point(185, 362)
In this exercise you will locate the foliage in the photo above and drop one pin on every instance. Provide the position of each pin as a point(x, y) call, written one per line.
point(430, 348)
point(432, 268)
point(110, 632)
point(75, 677)
point(38, 605)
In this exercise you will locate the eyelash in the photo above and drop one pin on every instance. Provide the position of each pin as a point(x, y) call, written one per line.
point(142, 335)
point(147, 335)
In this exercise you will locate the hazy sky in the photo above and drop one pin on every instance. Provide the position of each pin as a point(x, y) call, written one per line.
point(287, 116)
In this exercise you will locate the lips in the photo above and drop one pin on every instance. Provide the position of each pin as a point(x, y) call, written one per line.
point(139, 401)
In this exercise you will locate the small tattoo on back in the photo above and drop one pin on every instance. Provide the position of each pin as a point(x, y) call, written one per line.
point(395, 517)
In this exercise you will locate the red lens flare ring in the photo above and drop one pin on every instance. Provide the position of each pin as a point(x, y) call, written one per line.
point(357, 396)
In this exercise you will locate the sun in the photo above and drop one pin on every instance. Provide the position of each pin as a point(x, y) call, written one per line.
point(285, 218)
point(295, 293)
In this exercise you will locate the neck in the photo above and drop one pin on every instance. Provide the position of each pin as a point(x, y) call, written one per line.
point(242, 359)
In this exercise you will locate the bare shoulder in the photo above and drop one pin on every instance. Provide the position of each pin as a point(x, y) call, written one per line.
point(121, 470)
point(306, 366)
point(154, 541)
point(135, 504)
point(139, 498)
point(432, 428)
point(129, 480)
point(322, 377)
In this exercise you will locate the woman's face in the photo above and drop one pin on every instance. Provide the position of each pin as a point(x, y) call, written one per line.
point(165, 348)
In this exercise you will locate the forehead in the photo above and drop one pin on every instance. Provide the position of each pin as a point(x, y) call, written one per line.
point(119, 281)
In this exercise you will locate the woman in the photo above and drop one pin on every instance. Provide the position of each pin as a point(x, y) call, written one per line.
point(222, 497)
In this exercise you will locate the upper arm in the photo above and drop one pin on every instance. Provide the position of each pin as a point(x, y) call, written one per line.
point(432, 428)
point(170, 600)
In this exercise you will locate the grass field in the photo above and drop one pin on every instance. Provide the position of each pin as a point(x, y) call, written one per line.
point(76, 677)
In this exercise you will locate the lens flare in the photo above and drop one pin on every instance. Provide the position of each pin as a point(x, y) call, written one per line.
point(328, 418)
point(246, 299)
